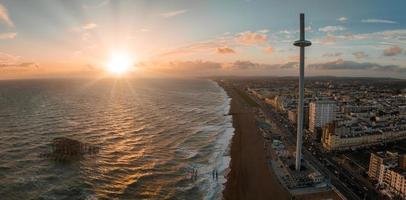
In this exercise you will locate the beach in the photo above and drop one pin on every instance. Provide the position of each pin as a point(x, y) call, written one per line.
point(249, 176)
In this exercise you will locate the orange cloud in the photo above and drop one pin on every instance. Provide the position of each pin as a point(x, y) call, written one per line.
point(393, 51)
point(329, 39)
point(251, 38)
point(269, 49)
point(5, 36)
point(225, 50)
point(23, 65)
point(221, 44)
point(11, 61)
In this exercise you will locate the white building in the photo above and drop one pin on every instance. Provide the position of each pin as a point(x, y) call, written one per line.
point(321, 112)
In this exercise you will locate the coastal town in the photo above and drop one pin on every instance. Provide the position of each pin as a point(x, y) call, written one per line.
point(355, 134)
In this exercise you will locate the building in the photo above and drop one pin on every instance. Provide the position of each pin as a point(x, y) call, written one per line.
point(385, 168)
point(379, 162)
point(306, 115)
point(338, 136)
point(402, 161)
point(321, 112)
point(395, 180)
point(292, 116)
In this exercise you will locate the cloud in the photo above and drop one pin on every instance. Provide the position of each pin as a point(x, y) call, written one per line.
point(393, 51)
point(252, 38)
point(336, 54)
point(360, 55)
point(244, 65)
point(173, 13)
point(342, 19)
point(89, 26)
point(11, 61)
point(329, 39)
point(87, 34)
point(200, 66)
point(4, 58)
point(289, 65)
point(19, 65)
point(249, 65)
point(293, 57)
point(181, 66)
point(391, 37)
point(351, 65)
point(381, 21)
point(287, 32)
point(242, 39)
point(4, 16)
point(85, 27)
point(203, 46)
point(263, 31)
point(397, 34)
point(330, 29)
point(225, 50)
point(5, 36)
point(269, 49)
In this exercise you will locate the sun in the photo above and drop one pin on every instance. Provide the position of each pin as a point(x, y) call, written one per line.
point(119, 63)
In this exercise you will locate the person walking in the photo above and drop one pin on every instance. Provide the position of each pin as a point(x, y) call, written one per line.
point(192, 174)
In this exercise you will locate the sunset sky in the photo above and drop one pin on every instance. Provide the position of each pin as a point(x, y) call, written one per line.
point(53, 38)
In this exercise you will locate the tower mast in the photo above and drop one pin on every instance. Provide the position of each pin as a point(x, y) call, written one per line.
point(302, 43)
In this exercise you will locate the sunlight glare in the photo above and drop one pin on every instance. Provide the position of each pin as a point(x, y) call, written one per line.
point(119, 63)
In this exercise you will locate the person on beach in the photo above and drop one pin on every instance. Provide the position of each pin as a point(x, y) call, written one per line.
point(217, 176)
point(192, 174)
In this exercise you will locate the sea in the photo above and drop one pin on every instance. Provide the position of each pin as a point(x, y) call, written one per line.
point(152, 133)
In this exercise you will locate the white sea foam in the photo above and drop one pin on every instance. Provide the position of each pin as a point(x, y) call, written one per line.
point(222, 156)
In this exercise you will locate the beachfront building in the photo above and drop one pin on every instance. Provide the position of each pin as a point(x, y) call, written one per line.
point(321, 112)
point(385, 168)
point(378, 164)
point(341, 137)
point(395, 180)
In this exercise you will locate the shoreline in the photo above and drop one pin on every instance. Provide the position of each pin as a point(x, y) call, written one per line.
point(249, 176)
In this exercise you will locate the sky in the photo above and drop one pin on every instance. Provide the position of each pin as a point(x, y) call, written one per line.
point(56, 38)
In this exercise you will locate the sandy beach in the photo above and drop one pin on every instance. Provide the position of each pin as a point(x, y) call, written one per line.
point(249, 176)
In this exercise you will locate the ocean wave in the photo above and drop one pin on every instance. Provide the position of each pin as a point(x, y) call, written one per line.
point(150, 139)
